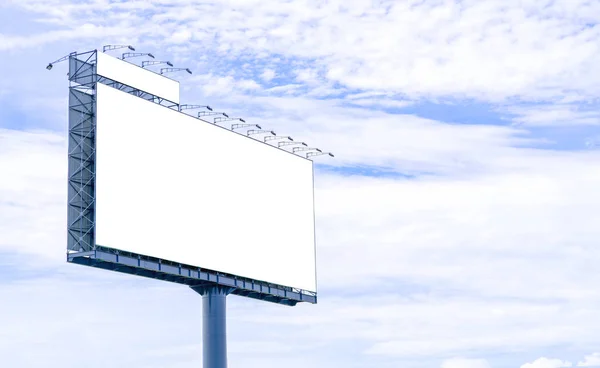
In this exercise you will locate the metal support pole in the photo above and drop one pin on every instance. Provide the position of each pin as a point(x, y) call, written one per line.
point(214, 327)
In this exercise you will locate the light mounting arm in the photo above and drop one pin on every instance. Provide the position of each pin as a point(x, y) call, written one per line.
point(281, 144)
point(277, 137)
point(252, 131)
point(135, 54)
point(66, 57)
point(171, 70)
point(191, 107)
point(310, 154)
point(152, 62)
point(220, 119)
point(106, 48)
point(237, 126)
point(300, 149)
point(202, 114)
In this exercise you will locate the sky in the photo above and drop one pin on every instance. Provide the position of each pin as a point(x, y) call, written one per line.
point(457, 225)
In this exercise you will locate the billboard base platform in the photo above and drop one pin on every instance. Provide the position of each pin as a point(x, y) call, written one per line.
point(134, 264)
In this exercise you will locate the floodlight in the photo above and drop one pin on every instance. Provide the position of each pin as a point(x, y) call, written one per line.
point(151, 62)
point(237, 126)
point(135, 54)
point(66, 57)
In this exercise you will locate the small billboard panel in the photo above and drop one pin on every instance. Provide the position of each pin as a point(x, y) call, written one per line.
point(177, 188)
point(137, 77)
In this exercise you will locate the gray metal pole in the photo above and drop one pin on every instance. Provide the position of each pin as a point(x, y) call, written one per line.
point(214, 326)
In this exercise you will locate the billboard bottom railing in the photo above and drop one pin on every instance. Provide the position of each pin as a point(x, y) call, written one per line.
point(111, 259)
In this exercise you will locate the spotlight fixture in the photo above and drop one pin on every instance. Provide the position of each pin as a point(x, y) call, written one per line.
point(66, 57)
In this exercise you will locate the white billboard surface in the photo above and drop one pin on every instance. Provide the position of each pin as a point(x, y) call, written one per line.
point(137, 77)
point(174, 187)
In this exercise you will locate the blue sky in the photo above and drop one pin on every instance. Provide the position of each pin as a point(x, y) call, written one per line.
point(457, 225)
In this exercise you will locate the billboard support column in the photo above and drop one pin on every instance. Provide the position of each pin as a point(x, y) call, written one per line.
point(214, 327)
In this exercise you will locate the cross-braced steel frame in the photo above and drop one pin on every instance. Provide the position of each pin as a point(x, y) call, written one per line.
point(82, 152)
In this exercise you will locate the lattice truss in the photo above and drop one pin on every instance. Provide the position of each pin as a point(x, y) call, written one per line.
point(82, 152)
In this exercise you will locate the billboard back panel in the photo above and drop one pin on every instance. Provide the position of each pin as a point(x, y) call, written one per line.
point(177, 188)
point(137, 77)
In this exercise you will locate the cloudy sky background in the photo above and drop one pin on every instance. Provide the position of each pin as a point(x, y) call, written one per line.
point(457, 225)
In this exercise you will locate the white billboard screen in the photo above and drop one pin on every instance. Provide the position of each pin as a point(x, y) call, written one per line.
point(177, 188)
point(137, 77)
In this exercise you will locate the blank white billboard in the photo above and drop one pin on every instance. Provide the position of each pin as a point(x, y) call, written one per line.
point(174, 187)
point(137, 77)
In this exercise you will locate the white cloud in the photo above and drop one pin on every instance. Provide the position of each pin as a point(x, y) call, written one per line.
point(465, 363)
point(29, 221)
point(180, 36)
point(388, 103)
point(592, 142)
point(77, 32)
point(268, 74)
point(554, 115)
point(547, 363)
point(213, 86)
point(592, 360)
point(308, 76)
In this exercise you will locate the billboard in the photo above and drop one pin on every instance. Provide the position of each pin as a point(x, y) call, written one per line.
point(137, 77)
point(177, 188)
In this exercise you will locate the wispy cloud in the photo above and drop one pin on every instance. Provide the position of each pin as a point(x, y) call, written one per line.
point(553, 115)
point(547, 363)
point(592, 360)
point(485, 50)
point(465, 363)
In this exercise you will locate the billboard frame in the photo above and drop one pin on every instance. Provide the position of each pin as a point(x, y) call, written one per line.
point(81, 245)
